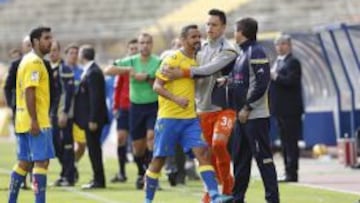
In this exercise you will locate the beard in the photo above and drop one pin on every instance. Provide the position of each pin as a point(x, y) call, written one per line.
point(197, 46)
point(45, 50)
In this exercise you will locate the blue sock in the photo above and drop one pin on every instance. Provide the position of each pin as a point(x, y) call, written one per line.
point(208, 176)
point(16, 179)
point(152, 182)
point(39, 183)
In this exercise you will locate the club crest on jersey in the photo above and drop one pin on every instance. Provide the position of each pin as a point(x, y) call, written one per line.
point(35, 76)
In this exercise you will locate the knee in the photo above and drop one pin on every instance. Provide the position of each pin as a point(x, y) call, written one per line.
point(150, 139)
point(122, 138)
point(203, 156)
point(150, 145)
point(139, 148)
point(81, 148)
point(24, 165)
point(42, 164)
point(156, 165)
point(219, 146)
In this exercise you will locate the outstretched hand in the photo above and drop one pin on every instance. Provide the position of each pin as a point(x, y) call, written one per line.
point(243, 115)
point(171, 72)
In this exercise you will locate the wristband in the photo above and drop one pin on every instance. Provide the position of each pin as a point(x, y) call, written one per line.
point(187, 73)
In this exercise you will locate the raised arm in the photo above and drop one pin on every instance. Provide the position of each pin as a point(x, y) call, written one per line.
point(220, 61)
point(117, 70)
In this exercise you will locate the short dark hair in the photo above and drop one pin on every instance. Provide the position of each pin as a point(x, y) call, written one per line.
point(185, 30)
point(219, 13)
point(132, 41)
point(88, 52)
point(248, 27)
point(37, 32)
point(71, 46)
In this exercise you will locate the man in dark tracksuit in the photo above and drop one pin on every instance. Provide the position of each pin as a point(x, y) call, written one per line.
point(249, 81)
point(61, 116)
point(286, 105)
point(10, 82)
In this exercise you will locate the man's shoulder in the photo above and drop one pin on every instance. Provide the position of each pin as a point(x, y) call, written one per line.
point(32, 57)
point(293, 58)
point(173, 55)
point(223, 45)
point(31, 61)
point(227, 45)
point(257, 50)
point(65, 67)
point(66, 71)
point(94, 67)
point(15, 63)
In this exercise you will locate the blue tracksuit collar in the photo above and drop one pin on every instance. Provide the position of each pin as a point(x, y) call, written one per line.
point(244, 46)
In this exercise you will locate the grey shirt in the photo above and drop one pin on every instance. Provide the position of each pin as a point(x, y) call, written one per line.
point(213, 56)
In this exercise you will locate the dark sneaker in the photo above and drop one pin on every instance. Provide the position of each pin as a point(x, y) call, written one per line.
point(172, 177)
point(66, 183)
point(58, 182)
point(76, 175)
point(118, 178)
point(140, 183)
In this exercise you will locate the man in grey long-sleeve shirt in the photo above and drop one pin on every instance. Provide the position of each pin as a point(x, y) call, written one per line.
point(216, 121)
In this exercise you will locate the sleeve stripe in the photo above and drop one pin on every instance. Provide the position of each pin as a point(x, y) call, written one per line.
point(230, 51)
point(67, 75)
point(259, 61)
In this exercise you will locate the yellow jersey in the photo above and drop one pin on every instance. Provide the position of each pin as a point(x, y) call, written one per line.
point(183, 87)
point(32, 72)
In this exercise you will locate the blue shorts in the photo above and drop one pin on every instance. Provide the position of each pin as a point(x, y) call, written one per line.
point(35, 148)
point(142, 118)
point(122, 120)
point(169, 132)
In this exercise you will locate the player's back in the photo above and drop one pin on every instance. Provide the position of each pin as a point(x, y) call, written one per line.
point(183, 87)
point(32, 73)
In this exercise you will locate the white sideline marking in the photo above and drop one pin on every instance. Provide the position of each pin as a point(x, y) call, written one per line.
point(91, 196)
point(87, 195)
point(182, 190)
point(326, 188)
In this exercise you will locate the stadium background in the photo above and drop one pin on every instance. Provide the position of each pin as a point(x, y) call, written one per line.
point(326, 37)
point(327, 46)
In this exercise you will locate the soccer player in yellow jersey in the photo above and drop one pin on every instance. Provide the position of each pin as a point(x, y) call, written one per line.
point(32, 122)
point(177, 122)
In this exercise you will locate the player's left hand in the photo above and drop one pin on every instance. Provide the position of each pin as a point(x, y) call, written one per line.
point(93, 126)
point(243, 115)
point(62, 120)
point(35, 128)
point(273, 75)
point(172, 72)
point(221, 81)
point(182, 102)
